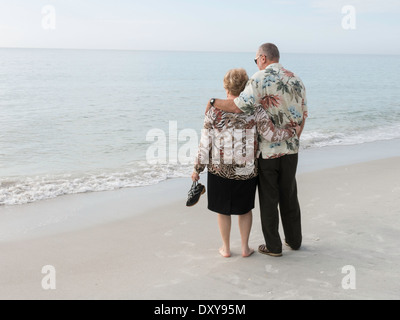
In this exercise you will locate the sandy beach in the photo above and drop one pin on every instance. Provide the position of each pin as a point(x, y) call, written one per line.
point(102, 108)
point(144, 243)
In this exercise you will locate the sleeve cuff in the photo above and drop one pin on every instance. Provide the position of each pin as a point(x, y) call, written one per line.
point(246, 108)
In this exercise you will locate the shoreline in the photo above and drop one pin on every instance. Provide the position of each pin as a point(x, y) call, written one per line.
point(327, 157)
point(310, 159)
point(84, 210)
point(350, 218)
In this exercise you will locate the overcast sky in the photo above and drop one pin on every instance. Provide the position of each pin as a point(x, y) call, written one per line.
point(304, 26)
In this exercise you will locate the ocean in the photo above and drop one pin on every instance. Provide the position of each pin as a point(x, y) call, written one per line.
point(75, 121)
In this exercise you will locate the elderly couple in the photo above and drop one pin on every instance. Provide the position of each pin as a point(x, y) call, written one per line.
point(273, 106)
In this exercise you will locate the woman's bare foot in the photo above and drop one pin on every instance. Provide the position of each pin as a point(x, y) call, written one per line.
point(225, 253)
point(247, 253)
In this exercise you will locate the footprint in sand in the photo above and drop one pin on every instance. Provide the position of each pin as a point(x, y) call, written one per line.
point(172, 282)
point(323, 284)
point(270, 269)
point(396, 190)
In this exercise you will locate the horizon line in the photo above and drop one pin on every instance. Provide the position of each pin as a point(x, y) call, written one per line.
point(195, 51)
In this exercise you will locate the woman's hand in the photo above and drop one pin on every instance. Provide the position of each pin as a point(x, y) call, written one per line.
point(298, 130)
point(295, 126)
point(195, 177)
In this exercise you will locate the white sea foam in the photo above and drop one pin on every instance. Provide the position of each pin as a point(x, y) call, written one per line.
point(319, 139)
point(21, 190)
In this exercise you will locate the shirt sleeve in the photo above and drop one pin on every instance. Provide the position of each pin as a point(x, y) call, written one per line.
point(203, 155)
point(247, 101)
point(267, 129)
point(304, 105)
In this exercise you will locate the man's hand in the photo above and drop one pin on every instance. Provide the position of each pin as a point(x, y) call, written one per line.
point(224, 105)
point(195, 177)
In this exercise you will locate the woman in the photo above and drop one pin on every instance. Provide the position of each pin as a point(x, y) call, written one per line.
point(232, 166)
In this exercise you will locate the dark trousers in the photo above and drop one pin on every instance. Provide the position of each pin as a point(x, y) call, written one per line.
point(277, 186)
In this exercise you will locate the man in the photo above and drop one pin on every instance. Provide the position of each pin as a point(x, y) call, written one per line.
point(282, 94)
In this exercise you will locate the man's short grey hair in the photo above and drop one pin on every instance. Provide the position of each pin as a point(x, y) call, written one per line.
point(271, 51)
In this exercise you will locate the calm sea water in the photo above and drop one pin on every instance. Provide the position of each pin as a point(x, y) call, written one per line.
point(76, 121)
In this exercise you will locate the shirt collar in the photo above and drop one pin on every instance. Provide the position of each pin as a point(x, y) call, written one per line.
point(274, 65)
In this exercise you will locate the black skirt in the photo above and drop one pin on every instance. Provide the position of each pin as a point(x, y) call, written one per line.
point(230, 197)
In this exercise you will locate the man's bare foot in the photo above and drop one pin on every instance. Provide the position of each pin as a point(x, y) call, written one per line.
point(223, 252)
point(247, 253)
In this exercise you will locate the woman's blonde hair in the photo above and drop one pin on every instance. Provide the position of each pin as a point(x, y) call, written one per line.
point(235, 81)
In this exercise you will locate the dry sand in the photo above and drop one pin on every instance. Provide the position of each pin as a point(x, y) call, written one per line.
point(145, 244)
